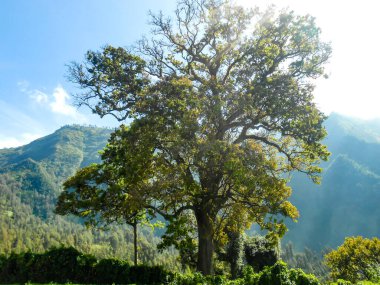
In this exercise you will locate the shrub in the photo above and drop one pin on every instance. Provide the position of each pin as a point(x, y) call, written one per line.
point(279, 274)
point(56, 265)
point(199, 279)
point(301, 278)
point(14, 269)
point(61, 265)
point(111, 271)
point(143, 274)
point(356, 259)
point(260, 252)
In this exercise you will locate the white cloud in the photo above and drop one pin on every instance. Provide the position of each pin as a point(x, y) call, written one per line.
point(43, 113)
point(60, 105)
point(39, 96)
point(58, 102)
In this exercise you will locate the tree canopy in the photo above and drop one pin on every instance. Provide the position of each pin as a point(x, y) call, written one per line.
point(100, 199)
point(221, 108)
point(356, 259)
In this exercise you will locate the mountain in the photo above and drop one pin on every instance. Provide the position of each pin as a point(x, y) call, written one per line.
point(41, 166)
point(347, 201)
point(31, 178)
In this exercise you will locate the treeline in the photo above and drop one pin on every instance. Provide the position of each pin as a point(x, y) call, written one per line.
point(69, 265)
point(308, 260)
point(21, 231)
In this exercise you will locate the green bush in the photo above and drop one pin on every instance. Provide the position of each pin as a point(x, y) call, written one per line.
point(260, 252)
point(143, 274)
point(275, 275)
point(301, 278)
point(14, 269)
point(61, 265)
point(343, 282)
point(56, 265)
point(249, 275)
point(357, 259)
point(108, 271)
point(279, 274)
point(199, 279)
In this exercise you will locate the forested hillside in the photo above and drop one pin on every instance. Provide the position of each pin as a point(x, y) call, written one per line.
point(41, 166)
point(345, 204)
point(31, 178)
point(347, 201)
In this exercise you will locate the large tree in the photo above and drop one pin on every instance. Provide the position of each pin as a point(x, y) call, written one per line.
point(221, 107)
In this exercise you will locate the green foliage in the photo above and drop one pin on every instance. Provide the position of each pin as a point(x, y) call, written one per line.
point(198, 278)
point(260, 252)
point(356, 259)
point(109, 271)
point(68, 265)
point(235, 253)
point(181, 234)
point(143, 274)
point(278, 274)
point(59, 265)
point(255, 251)
point(342, 282)
point(63, 265)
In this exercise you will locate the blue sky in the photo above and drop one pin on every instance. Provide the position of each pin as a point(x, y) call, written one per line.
point(40, 37)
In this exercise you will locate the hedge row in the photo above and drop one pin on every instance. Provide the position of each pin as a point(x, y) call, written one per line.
point(63, 265)
point(278, 274)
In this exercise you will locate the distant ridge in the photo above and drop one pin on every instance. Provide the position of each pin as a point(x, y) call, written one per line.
point(347, 202)
point(42, 165)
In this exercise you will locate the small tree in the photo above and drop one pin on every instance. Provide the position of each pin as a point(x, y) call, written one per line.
point(94, 195)
point(356, 259)
point(222, 108)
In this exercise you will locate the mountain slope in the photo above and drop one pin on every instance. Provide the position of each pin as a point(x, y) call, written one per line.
point(41, 166)
point(347, 201)
point(31, 178)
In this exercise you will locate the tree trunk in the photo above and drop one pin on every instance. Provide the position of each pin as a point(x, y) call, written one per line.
point(135, 242)
point(205, 243)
